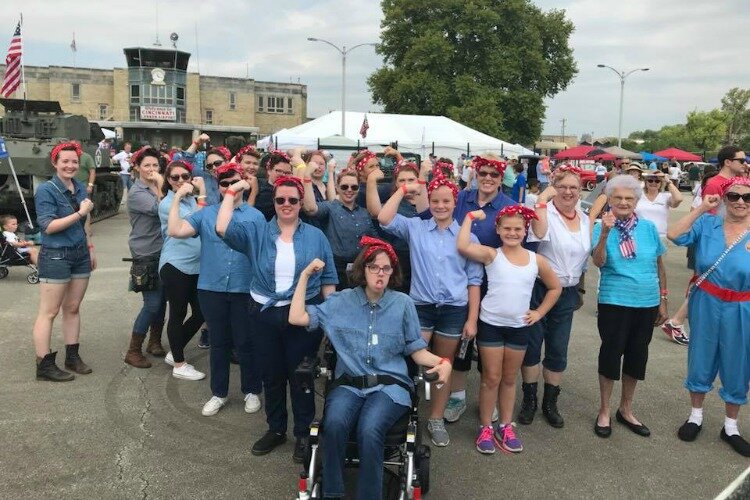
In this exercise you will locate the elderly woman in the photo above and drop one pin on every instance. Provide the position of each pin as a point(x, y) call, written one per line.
point(721, 290)
point(656, 202)
point(563, 232)
point(628, 252)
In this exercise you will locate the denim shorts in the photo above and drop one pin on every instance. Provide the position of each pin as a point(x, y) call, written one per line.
point(60, 265)
point(502, 336)
point(446, 321)
point(553, 330)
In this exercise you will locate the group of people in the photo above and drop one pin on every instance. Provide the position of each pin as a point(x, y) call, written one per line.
point(416, 268)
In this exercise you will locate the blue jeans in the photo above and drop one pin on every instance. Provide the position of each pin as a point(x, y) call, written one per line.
point(281, 347)
point(372, 416)
point(227, 318)
point(127, 182)
point(553, 329)
point(152, 312)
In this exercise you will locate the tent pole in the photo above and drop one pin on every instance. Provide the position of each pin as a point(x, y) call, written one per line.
point(20, 193)
point(468, 152)
point(433, 148)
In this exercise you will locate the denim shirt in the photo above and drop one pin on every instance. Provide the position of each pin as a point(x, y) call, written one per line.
point(371, 339)
point(198, 161)
point(257, 240)
point(52, 203)
point(439, 274)
point(344, 227)
point(222, 269)
point(182, 254)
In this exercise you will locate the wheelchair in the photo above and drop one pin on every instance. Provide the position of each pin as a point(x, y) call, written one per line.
point(406, 460)
point(11, 257)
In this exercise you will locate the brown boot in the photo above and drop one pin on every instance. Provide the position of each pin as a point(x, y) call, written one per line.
point(134, 355)
point(154, 342)
point(73, 361)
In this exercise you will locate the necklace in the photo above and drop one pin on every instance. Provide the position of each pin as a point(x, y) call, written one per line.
point(575, 214)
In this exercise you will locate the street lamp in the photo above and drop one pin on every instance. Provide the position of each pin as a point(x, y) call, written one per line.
point(343, 51)
point(622, 75)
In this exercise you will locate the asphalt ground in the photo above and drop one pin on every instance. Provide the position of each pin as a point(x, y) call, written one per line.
point(122, 432)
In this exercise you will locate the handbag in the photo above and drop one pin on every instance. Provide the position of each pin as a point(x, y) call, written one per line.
point(144, 274)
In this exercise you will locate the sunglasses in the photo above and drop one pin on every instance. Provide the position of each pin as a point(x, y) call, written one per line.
point(494, 175)
point(347, 187)
point(214, 164)
point(741, 160)
point(227, 183)
point(654, 181)
point(177, 177)
point(733, 197)
point(280, 201)
point(282, 172)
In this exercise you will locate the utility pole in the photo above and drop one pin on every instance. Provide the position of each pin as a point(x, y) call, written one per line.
point(563, 128)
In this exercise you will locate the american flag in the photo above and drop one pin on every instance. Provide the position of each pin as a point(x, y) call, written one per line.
point(363, 128)
point(627, 241)
point(12, 78)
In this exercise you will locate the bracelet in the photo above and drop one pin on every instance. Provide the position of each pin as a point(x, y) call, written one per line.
point(540, 205)
point(91, 184)
point(202, 204)
point(307, 181)
point(80, 216)
point(470, 216)
point(403, 188)
point(197, 143)
point(663, 297)
point(91, 247)
point(421, 181)
point(230, 192)
point(444, 360)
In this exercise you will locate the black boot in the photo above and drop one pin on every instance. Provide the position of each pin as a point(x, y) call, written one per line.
point(528, 405)
point(46, 369)
point(73, 361)
point(549, 406)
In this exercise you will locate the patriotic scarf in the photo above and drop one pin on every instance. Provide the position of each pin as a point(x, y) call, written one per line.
point(627, 242)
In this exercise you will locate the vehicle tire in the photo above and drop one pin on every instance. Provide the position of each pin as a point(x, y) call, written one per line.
point(33, 278)
point(423, 467)
point(3, 272)
point(590, 185)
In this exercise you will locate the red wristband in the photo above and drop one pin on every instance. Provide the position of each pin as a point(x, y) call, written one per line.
point(403, 188)
point(470, 216)
point(307, 181)
point(230, 192)
point(664, 291)
point(91, 247)
point(202, 204)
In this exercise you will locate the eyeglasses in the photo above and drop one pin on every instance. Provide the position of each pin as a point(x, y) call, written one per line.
point(177, 177)
point(281, 172)
point(734, 197)
point(654, 180)
point(227, 183)
point(741, 160)
point(347, 187)
point(374, 269)
point(494, 175)
point(280, 201)
point(214, 164)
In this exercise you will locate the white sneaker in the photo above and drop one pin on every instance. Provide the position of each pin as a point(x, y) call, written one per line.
point(213, 406)
point(187, 372)
point(252, 403)
point(169, 359)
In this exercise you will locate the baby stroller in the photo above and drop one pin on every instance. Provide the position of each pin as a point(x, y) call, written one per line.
point(10, 257)
point(406, 461)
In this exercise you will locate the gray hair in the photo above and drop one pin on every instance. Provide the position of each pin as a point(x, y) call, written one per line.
point(624, 182)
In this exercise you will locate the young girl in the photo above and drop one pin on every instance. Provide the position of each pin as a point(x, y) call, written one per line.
point(9, 225)
point(504, 319)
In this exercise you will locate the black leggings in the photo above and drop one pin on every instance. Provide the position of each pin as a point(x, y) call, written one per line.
point(181, 289)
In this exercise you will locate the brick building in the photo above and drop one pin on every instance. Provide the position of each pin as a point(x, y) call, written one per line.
point(155, 99)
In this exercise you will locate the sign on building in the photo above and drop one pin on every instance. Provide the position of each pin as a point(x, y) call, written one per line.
point(160, 113)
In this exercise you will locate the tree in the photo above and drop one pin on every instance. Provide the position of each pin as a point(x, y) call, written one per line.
point(734, 104)
point(484, 63)
point(706, 129)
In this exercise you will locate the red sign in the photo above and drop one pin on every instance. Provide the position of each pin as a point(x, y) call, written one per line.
point(159, 113)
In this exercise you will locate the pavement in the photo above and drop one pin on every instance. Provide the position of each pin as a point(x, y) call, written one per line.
point(122, 432)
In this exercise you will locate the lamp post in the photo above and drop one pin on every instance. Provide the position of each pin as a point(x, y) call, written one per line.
point(622, 75)
point(343, 51)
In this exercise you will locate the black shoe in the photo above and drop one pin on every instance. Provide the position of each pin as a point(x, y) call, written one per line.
point(641, 429)
point(300, 449)
point(528, 405)
point(268, 443)
point(73, 361)
point(603, 431)
point(46, 369)
point(737, 443)
point(689, 431)
point(203, 342)
point(549, 406)
point(234, 358)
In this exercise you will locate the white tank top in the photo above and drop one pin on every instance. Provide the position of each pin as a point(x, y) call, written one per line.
point(508, 291)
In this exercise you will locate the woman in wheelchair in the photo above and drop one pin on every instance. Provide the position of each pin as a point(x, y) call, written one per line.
point(372, 328)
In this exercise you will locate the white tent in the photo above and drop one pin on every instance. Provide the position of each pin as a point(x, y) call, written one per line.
point(414, 133)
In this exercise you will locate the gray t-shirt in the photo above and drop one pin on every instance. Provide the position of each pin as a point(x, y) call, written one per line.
point(143, 209)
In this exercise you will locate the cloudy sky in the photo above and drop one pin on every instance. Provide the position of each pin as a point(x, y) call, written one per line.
point(695, 49)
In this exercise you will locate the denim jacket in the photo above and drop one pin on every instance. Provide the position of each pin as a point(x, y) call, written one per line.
point(54, 201)
point(257, 240)
point(371, 339)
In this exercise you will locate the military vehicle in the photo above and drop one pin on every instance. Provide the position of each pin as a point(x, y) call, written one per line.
point(30, 130)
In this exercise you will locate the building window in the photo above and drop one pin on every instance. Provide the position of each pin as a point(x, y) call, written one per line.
point(232, 101)
point(209, 116)
point(289, 105)
point(103, 111)
point(275, 105)
point(180, 93)
point(157, 95)
point(75, 91)
point(135, 94)
point(260, 103)
point(135, 114)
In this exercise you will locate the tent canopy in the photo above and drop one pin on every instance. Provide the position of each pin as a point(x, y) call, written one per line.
point(678, 155)
point(619, 152)
point(651, 157)
point(414, 133)
point(575, 153)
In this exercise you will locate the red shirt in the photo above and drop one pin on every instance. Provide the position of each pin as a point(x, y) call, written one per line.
point(713, 186)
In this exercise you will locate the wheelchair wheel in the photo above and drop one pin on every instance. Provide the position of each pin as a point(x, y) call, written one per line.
point(423, 467)
point(33, 278)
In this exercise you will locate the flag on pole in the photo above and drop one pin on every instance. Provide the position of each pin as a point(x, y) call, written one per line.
point(12, 78)
point(73, 43)
point(363, 128)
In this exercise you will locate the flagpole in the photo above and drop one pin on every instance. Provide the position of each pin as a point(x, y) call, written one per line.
point(23, 71)
point(75, 50)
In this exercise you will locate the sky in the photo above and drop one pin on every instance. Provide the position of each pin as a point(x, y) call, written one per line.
point(695, 49)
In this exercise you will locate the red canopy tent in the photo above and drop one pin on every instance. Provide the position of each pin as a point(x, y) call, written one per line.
point(576, 153)
point(678, 155)
point(604, 157)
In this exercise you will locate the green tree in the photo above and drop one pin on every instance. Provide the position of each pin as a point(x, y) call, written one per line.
point(734, 105)
point(706, 129)
point(485, 63)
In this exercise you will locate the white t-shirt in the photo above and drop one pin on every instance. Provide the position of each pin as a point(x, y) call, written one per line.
point(600, 170)
point(656, 211)
point(124, 158)
point(531, 199)
point(500, 308)
point(12, 238)
point(284, 272)
point(697, 196)
point(674, 172)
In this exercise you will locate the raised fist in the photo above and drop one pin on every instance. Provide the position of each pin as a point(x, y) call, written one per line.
point(314, 267)
point(86, 206)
